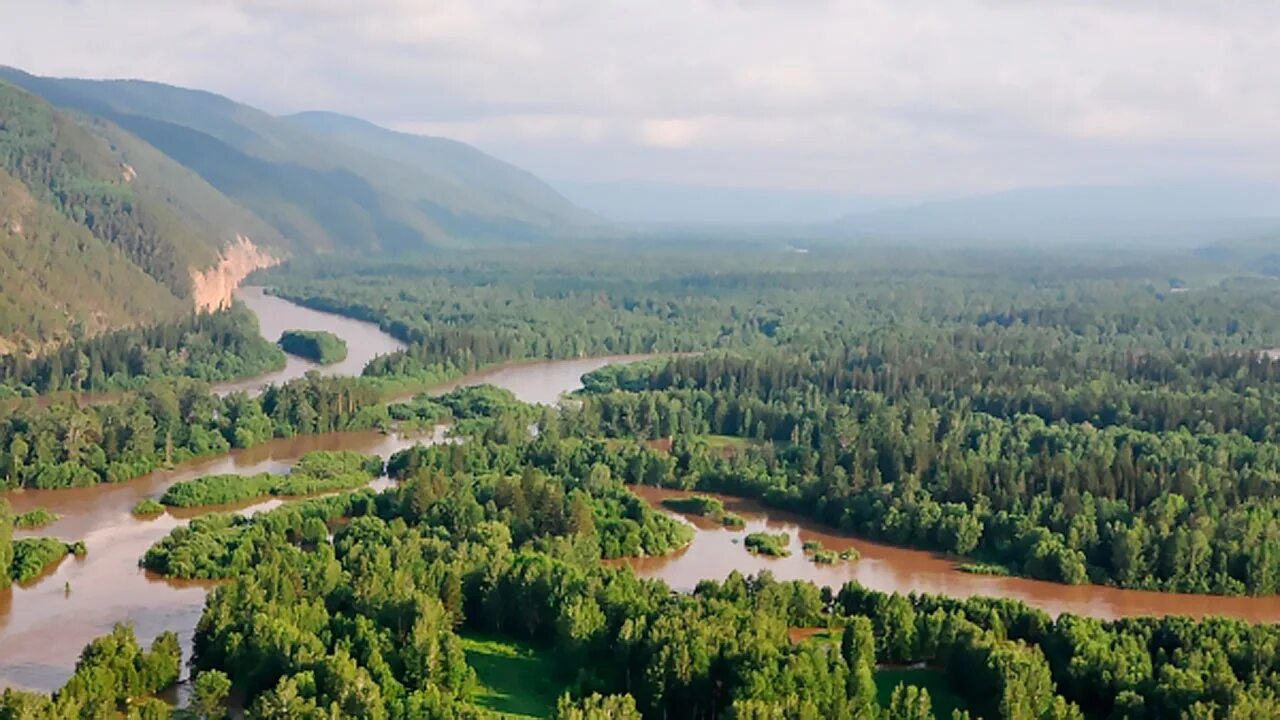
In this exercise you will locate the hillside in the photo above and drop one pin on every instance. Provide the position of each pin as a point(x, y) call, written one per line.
point(55, 276)
point(513, 192)
point(137, 201)
point(326, 182)
point(99, 230)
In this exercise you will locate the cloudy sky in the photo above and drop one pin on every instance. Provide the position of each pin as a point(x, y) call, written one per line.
point(896, 96)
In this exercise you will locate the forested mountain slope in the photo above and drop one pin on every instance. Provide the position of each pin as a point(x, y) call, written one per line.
point(514, 192)
point(99, 230)
point(55, 276)
point(315, 189)
point(152, 200)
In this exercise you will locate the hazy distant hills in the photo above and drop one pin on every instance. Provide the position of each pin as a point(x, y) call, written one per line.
point(1169, 213)
point(1184, 215)
point(457, 172)
point(128, 201)
point(656, 203)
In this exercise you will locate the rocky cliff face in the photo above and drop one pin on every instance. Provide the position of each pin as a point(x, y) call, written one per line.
point(212, 289)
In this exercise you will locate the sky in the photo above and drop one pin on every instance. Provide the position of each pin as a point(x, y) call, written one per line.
point(882, 98)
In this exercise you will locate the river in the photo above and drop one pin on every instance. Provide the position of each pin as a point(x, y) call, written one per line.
point(717, 550)
point(365, 340)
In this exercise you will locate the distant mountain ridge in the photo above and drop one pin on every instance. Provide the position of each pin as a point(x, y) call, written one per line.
point(658, 203)
point(152, 199)
point(516, 192)
point(1171, 212)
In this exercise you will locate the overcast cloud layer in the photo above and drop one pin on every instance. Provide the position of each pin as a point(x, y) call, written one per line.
point(874, 97)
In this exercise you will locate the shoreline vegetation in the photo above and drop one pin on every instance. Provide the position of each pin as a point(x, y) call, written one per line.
point(147, 508)
point(33, 557)
point(316, 472)
point(822, 556)
point(34, 519)
point(764, 543)
point(978, 568)
point(209, 347)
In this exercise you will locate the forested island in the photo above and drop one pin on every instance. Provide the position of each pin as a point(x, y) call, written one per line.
point(1070, 419)
point(318, 346)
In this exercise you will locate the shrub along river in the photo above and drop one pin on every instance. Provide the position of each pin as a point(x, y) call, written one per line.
point(44, 625)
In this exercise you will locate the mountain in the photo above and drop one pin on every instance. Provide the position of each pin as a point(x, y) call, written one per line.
point(655, 203)
point(98, 230)
point(126, 202)
point(326, 182)
point(1166, 212)
point(56, 278)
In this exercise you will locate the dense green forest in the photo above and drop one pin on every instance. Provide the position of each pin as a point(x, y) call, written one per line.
point(317, 346)
point(1063, 501)
point(67, 445)
point(360, 605)
point(1076, 419)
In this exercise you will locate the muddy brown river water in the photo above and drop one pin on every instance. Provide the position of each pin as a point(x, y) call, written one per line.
point(716, 550)
point(365, 340)
point(44, 625)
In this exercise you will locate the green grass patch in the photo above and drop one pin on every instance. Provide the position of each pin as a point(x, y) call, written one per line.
point(696, 505)
point(515, 680)
point(147, 507)
point(728, 443)
point(977, 568)
point(942, 697)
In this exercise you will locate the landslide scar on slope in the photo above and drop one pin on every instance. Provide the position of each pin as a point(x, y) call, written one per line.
point(212, 289)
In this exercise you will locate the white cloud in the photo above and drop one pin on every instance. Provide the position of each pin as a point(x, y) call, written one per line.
point(847, 95)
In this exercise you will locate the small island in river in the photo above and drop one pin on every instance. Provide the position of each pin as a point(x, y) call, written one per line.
point(317, 346)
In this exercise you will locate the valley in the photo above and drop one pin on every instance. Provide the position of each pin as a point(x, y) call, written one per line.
point(888, 371)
